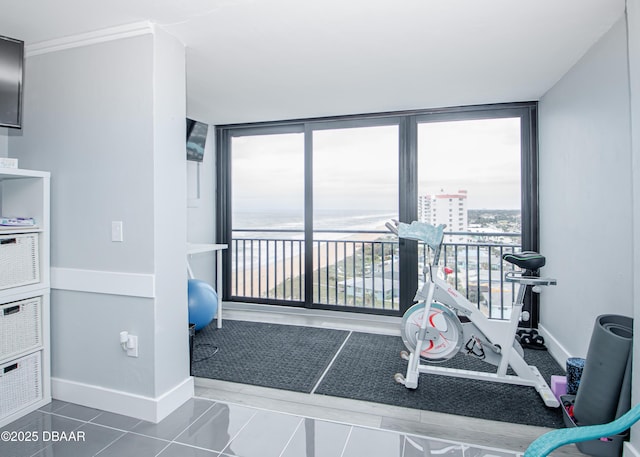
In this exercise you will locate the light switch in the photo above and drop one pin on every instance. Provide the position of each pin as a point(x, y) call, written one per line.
point(116, 231)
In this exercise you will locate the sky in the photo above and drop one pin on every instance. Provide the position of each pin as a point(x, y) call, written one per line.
point(480, 156)
point(356, 168)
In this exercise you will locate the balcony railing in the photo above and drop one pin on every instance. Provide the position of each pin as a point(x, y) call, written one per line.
point(359, 269)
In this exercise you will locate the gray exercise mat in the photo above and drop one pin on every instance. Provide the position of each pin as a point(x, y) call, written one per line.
point(365, 367)
point(270, 355)
point(294, 358)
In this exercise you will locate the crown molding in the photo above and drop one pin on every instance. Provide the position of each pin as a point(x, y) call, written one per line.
point(89, 38)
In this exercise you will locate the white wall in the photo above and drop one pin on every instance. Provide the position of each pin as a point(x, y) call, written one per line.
point(107, 120)
point(633, 42)
point(170, 218)
point(87, 118)
point(590, 196)
point(201, 218)
point(586, 195)
point(4, 142)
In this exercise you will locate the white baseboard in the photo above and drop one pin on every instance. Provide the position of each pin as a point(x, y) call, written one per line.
point(115, 401)
point(629, 450)
point(557, 350)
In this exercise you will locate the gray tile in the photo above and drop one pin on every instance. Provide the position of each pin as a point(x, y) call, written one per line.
point(415, 446)
point(54, 406)
point(33, 438)
point(373, 443)
point(131, 444)
point(21, 448)
point(179, 450)
point(20, 423)
point(482, 452)
point(318, 438)
point(217, 426)
point(266, 435)
point(78, 412)
point(204, 428)
point(177, 422)
point(118, 421)
point(51, 422)
point(88, 440)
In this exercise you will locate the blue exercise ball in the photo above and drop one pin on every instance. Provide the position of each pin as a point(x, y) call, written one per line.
point(203, 303)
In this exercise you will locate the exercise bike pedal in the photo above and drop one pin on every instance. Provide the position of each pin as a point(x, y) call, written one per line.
point(399, 378)
point(404, 355)
point(531, 340)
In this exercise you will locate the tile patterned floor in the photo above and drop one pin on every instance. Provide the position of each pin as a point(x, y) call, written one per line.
point(206, 428)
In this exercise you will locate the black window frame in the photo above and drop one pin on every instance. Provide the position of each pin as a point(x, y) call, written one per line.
point(407, 122)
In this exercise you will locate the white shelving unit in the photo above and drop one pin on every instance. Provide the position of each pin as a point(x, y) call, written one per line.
point(25, 368)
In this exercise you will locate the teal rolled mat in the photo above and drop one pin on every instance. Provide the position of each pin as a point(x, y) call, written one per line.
point(601, 385)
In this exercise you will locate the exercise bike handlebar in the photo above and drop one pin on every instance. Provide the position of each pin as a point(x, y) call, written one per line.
point(430, 235)
point(392, 228)
point(519, 278)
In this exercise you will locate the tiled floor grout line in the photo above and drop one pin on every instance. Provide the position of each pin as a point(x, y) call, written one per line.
point(123, 434)
point(367, 427)
point(324, 373)
point(149, 436)
point(344, 448)
point(163, 449)
point(238, 433)
point(91, 421)
point(114, 428)
point(292, 435)
point(254, 410)
point(195, 420)
point(178, 443)
point(82, 423)
point(214, 402)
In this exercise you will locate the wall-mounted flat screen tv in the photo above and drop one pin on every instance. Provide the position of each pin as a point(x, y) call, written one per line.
point(11, 74)
point(196, 139)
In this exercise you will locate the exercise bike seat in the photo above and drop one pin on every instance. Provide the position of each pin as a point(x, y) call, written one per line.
point(527, 260)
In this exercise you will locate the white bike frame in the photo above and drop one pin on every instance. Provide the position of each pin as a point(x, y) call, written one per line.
point(499, 334)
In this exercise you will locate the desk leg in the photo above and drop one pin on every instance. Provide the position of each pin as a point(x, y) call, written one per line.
point(219, 285)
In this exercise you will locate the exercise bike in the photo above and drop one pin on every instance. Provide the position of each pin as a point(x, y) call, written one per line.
point(443, 322)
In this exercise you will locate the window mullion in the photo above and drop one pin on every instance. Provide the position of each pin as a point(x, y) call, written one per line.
point(308, 216)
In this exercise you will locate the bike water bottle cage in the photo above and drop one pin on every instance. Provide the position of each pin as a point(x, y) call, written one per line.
point(527, 260)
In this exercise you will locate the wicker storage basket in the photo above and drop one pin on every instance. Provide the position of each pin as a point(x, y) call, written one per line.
point(20, 326)
point(20, 383)
point(19, 263)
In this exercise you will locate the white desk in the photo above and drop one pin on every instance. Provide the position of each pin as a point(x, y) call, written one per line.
point(196, 248)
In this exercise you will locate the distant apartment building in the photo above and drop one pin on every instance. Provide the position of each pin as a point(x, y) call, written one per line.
point(444, 208)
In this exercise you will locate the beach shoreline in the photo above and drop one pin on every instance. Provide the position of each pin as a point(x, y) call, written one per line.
point(259, 280)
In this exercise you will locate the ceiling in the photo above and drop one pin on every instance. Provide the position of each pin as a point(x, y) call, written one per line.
point(259, 60)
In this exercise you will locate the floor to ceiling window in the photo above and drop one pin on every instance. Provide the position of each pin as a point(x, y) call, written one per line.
point(302, 205)
point(355, 191)
point(469, 179)
point(267, 214)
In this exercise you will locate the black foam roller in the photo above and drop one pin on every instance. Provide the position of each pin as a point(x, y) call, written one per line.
point(600, 388)
point(575, 366)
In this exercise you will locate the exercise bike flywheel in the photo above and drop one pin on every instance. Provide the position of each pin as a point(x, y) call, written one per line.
point(448, 333)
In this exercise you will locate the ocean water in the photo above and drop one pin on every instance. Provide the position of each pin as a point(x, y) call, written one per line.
point(348, 221)
point(272, 228)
